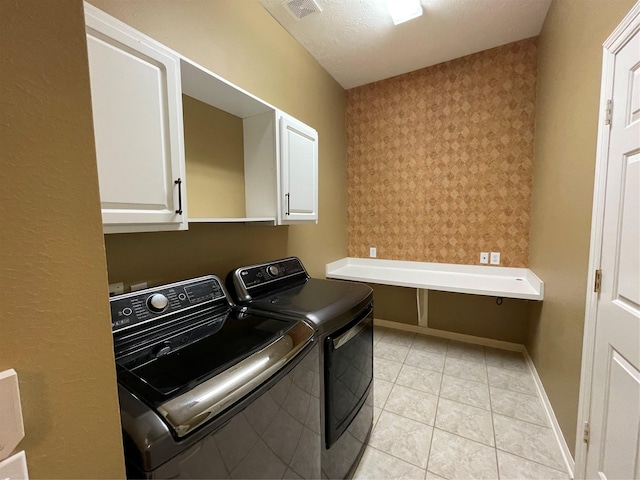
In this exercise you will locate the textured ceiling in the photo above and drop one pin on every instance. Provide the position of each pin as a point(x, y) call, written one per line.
point(357, 42)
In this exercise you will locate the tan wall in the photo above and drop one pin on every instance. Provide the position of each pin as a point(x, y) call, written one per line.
point(396, 304)
point(214, 161)
point(241, 42)
point(569, 73)
point(479, 316)
point(455, 312)
point(55, 326)
point(440, 160)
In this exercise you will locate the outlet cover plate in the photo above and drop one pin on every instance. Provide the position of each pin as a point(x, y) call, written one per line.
point(11, 424)
point(14, 467)
point(139, 286)
point(484, 257)
point(495, 258)
point(116, 288)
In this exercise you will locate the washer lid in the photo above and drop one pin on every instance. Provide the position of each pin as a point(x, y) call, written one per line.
point(170, 363)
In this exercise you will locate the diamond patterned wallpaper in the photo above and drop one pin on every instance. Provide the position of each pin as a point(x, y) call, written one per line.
point(439, 161)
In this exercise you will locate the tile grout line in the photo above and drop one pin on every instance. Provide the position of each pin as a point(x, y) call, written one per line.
point(447, 431)
point(446, 355)
point(493, 424)
point(397, 458)
point(461, 401)
point(382, 409)
point(488, 385)
point(521, 420)
point(534, 461)
point(435, 416)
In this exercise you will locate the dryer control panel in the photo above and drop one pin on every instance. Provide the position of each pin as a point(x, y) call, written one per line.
point(248, 282)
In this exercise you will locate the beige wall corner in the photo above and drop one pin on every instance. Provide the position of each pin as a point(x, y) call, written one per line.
point(55, 326)
point(568, 89)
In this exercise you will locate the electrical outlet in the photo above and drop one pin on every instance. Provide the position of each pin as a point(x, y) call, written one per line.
point(484, 257)
point(495, 258)
point(11, 423)
point(116, 288)
point(14, 467)
point(138, 286)
point(372, 252)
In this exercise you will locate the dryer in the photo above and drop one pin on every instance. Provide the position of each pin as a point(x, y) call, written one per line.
point(342, 313)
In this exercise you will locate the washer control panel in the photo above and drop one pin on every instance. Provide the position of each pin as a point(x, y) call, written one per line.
point(137, 307)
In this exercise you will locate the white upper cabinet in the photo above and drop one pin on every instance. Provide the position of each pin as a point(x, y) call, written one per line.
point(136, 89)
point(299, 171)
point(137, 113)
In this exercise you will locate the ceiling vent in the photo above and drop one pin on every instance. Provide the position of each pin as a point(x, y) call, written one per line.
point(301, 8)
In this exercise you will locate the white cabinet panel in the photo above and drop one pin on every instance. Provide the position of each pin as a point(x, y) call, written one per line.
point(299, 171)
point(137, 110)
point(260, 165)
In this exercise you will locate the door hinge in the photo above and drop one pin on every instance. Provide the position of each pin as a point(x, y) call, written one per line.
point(585, 433)
point(597, 285)
point(608, 112)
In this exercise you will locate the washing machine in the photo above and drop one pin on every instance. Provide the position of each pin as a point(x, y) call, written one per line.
point(207, 391)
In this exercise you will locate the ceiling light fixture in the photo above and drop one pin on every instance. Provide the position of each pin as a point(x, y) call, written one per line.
point(404, 10)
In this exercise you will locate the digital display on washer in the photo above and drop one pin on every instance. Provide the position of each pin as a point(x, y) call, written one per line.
point(202, 292)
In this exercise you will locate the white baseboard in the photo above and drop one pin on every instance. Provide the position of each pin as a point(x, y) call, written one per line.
point(488, 342)
point(517, 347)
point(569, 462)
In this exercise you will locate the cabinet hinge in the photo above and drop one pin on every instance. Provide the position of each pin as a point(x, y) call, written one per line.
point(597, 284)
point(585, 432)
point(608, 112)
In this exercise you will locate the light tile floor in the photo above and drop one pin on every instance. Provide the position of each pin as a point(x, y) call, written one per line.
point(453, 410)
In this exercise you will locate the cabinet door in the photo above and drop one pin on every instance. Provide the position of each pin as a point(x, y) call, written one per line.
point(299, 162)
point(137, 114)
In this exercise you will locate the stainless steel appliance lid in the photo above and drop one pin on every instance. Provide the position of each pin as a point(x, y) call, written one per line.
point(283, 287)
point(327, 304)
point(316, 299)
point(216, 342)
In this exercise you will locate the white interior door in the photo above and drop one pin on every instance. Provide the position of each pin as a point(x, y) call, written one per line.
point(613, 451)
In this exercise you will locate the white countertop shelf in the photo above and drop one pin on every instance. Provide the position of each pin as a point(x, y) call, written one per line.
point(262, 220)
point(507, 282)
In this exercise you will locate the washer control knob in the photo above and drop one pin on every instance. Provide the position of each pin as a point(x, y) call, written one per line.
point(157, 302)
point(272, 270)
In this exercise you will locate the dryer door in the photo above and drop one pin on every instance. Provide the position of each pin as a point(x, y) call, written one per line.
point(348, 373)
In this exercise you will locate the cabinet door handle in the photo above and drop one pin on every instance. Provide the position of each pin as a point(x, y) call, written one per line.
point(288, 195)
point(178, 182)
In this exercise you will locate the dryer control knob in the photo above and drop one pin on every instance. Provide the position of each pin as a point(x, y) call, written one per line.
point(273, 270)
point(157, 302)
point(162, 349)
